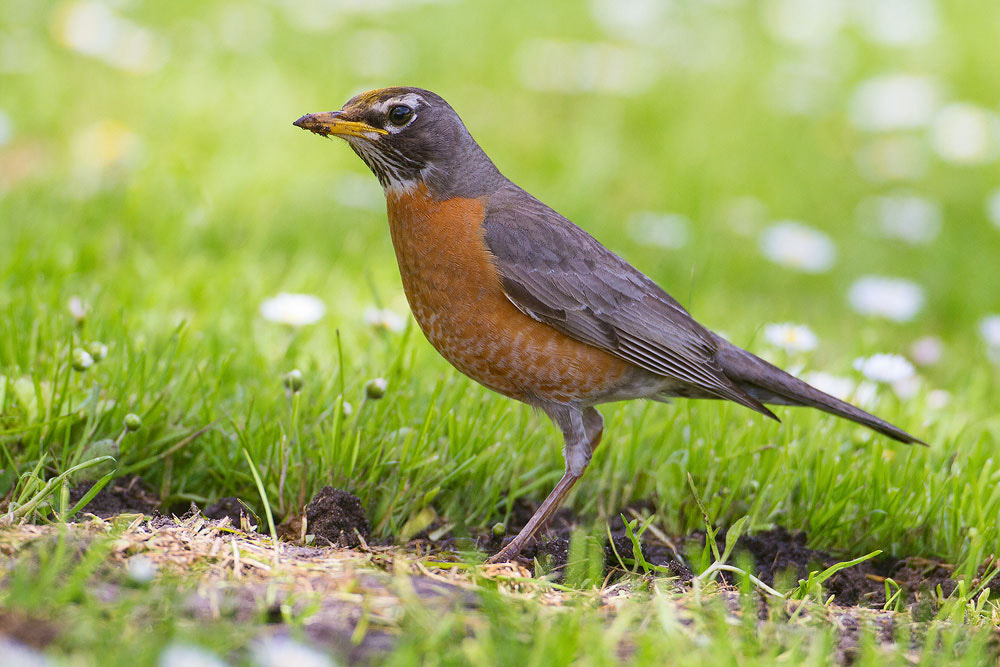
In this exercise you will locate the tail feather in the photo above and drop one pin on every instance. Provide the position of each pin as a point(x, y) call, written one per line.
point(769, 384)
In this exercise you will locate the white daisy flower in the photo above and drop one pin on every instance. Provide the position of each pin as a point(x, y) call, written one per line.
point(927, 351)
point(744, 215)
point(805, 22)
point(286, 652)
point(801, 87)
point(140, 569)
point(626, 17)
point(894, 102)
point(907, 388)
point(892, 298)
point(90, 28)
point(865, 394)
point(378, 54)
point(95, 30)
point(295, 310)
point(77, 308)
point(897, 22)
point(989, 329)
point(6, 128)
point(107, 144)
point(938, 398)
point(907, 217)
point(565, 66)
point(244, 28)
point(835, 385)
point(791, 337)
point(964, 133)
point(798, 246)
point(888, 368)
point(665, 230)
point(383, 318)
point(15, 654)
point(993, 207)
point(187, 655)
point(892, 158)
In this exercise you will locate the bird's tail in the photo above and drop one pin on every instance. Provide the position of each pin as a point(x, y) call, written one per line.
point(769, 384)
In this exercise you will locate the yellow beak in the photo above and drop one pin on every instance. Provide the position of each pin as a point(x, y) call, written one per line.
point(331, 122)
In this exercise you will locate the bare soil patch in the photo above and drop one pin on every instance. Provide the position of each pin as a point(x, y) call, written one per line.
point(125, 495)
point(337, 518)
point(777, 554)
point(354, 597)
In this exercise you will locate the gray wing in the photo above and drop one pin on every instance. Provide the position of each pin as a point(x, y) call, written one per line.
point(558, 274)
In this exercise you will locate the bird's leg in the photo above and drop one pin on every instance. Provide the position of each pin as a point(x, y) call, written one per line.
point(593, 427)
point(582, 431)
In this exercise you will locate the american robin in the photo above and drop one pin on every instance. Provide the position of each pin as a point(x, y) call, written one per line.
point(523, 301)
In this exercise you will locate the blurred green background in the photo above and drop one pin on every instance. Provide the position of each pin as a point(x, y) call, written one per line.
point(145, 141)
point(148, 167)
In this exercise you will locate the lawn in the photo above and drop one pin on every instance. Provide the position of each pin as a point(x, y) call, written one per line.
point(817, 180)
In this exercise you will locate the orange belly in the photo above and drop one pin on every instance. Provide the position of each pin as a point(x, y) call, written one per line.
point(455, 295)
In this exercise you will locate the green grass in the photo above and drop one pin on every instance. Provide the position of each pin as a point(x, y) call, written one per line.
point(49, 587)
point(174, 246)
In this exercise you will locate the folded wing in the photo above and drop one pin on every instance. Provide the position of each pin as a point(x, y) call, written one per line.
point(556, 273)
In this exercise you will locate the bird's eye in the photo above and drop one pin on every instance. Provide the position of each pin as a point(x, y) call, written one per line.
point(400, 115)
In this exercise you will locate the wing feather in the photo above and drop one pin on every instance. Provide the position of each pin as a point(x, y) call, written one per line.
point(558, 274)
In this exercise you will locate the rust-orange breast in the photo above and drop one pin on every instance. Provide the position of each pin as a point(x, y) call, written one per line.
point(455, 294)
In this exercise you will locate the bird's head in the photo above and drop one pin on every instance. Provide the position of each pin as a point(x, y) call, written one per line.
point(408, 136)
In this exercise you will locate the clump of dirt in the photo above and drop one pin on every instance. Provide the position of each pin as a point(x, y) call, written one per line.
point(336, 517)
point(777, 554)
point(126, 495)
point(920, 577)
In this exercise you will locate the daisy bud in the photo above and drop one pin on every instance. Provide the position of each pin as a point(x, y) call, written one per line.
point(82, 360)
point(133, 422)
point(97, 350)
point(375, 389)
point(499, 530)
point(294, 381)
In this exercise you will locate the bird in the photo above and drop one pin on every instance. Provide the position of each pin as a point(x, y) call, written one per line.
point(529, 304)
